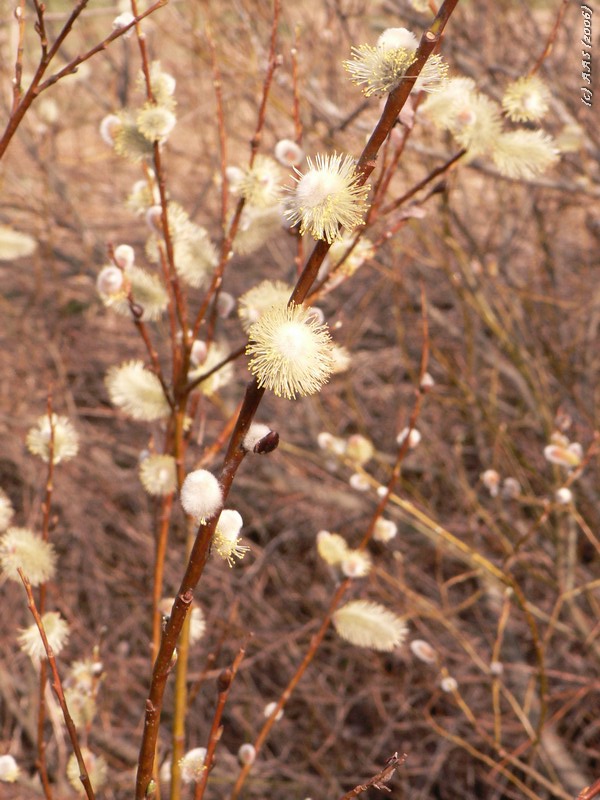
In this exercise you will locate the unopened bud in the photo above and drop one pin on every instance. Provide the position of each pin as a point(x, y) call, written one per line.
point(563, 496)
point(423, 651)
point(260, 439)
point(449, 684)
point(288, 153)
point(124, 256)
point(224, 680)
point(491, 481)
point(109, 127)
point(122, 21)
point(359, 449)
point(199, 352)
point(154, 218)
point(109, 281)
point(427, 382)
point(414, 437)
point(246, 754)
point(270, 708)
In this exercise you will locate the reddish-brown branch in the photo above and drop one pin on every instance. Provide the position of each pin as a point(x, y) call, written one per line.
point(296, 94)
point(195, 567)
point(46, 508)
point(180, 304)
point(590, 791)
point(224, 683)
point(116, 34)
point(422, 184)
point(382, 186)
point(366, 163)
point(153, 355)
point(272, 64)
point(160, 550)
point(58, 690)
point(40, 26)
point(397, 99)
point(551, 38)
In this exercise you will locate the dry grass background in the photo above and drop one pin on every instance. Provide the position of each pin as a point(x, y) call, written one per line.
point(509, 274)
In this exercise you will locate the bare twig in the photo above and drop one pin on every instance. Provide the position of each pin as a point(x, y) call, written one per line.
point(218, 87)
point(422, 184)
point(315, 643)
point(224, 683)
point(206, 375)
point(380, 780)
point(551, 38)
point(296, 104)
point(20, 17)
point(46, 508)
point(590, 791)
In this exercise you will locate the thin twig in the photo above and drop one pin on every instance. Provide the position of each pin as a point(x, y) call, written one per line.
point(224, 682)
point(206, 375)
point(421, 184)
point(590, 791)
point(218, 87)
point(58, 690)
point(43, 677)
point(551, 39)
point(160, 550)
point(116, 34)
point(20, 17)
point(296, 95)
point(380, 780)
point(315, 643)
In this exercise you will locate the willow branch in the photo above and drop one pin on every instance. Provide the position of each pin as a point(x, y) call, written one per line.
point(225, 681)
point(37, 86)
point(197, 561)
point(235, 453)
point(58, 690)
